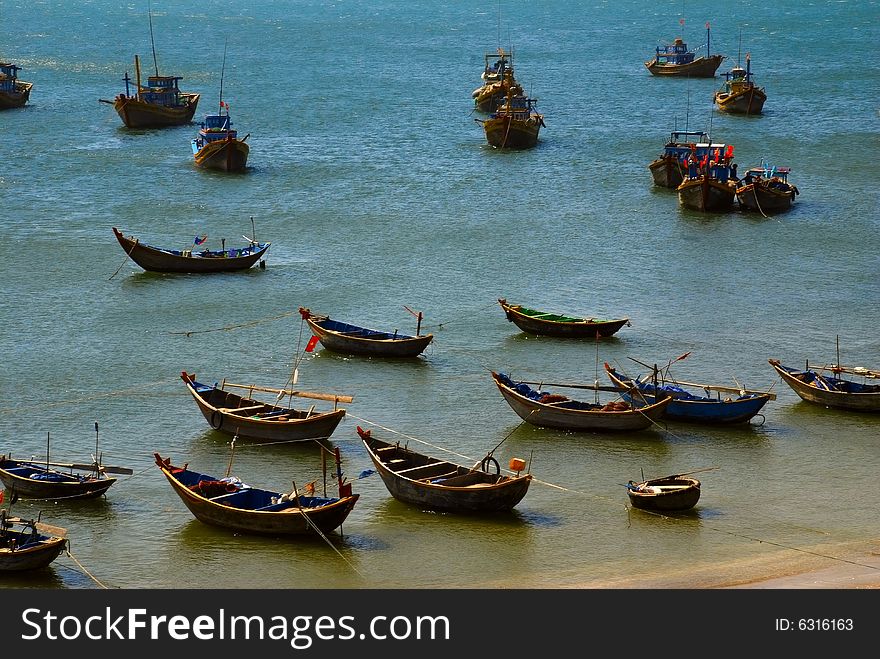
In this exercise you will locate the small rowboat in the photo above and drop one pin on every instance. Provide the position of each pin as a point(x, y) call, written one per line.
point(548, 410)
point(159, 259)
point(830, 389)
point(669, 493)
point(28, 544)
point(439, 485)
point(543, 323)
point(252, 419)
point(355, 340)
point(229, 503)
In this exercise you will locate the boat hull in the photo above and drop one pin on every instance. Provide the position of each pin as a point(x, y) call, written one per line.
point(33, 557)
point(17, 98)
point(508, 133)
point(485, 493)
point(665, 494)
point(386, 346)
point(581, 328)
point(762, 198)
point(701, 67)
point(223, 412)
point(704, 410)
point(291, 521)
point(15, 477)
point(139, 114)
point(842, 400)
point(594, 420)
point(158, 260)
point(667, 172)
point(747, 101)
point(704, 194)
point(228, 155)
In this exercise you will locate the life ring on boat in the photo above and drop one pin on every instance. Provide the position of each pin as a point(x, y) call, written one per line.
point(489, 460)
point(216, 420)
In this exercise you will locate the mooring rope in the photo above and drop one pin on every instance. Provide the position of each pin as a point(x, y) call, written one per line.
point(83, 568)
point(124, 260)
point(232, 327)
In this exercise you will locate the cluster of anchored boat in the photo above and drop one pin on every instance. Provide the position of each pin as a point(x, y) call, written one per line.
point(632, 403)
point(703, 171)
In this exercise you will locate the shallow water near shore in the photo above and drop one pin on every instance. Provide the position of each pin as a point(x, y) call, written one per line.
point(377, 190)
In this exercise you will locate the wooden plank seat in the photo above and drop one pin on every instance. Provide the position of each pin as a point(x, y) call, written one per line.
point(236, 410)
point(420, 467)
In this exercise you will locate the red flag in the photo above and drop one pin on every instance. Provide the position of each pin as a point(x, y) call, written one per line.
point(1, 496)
point(312, 343)
point(707, 25)
point(680, 357)
point(681, 21)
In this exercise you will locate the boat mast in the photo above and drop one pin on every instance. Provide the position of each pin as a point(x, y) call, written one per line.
point(707, 38)
point(47, 451)
point(97, 459)
point(222, 71)
point(152, 42)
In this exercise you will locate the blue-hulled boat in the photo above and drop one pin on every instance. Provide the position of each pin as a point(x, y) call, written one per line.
point(689, 406)
point(356, 340)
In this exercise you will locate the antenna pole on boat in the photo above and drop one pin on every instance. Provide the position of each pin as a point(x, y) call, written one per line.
point(47, 451)
point(222, 71)
point(324, 467)
point(707, 38)
point(253, 230)
point(152, 41)
point(97, 459)
point(838, 350)
point(740, 47)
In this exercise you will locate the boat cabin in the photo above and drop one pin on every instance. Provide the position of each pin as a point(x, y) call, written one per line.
point(780, 174)
point(679, 144)
point(8, 76)
point(519, 107)
point(495, 71)
point(216, 127)
point(712, 159)
point(674, 53)
point(161, 90)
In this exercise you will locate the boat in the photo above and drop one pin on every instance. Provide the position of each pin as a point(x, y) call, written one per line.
point(667, 494)
point(515, 124)
point(218, 146)
point(739, 94)
point(670, 167)
point(232, 504)
point(833, 385)
point(44, 479)
point(353, 339)
point(161, 259)
point(710, 183)
point(676, 60)
point(766, 189)
point(28, 544)
point(14, 93)
point(551, 410)
point(545, 323)
point(248, 418)
point(160, 103)
point(497, 78)
point(439, 485)
point(728, 405)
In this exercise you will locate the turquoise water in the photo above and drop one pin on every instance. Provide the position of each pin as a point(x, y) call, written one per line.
point(375, 185)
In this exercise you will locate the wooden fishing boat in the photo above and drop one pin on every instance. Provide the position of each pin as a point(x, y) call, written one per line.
point(545, 323)
point(355, 340)
point(686, 405)
point(248, 418)
point(676, 60)
point(497, 78)
point(229, 503)
point(28, 544)
point(669, 169)
point(440, 485)
point(160, 259)
point(739, 94)
point(218, 146)
point(667, 494)
point(14, 93)
point(834, 389)
point(550, 410)
point(45, 479)
point(515, 124)
point(709, 184)
point(159, 104)
point(766, 190)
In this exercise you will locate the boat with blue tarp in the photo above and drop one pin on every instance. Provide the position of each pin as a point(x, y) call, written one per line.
point(710, 183)
point(670, 167)
point(766, 189)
